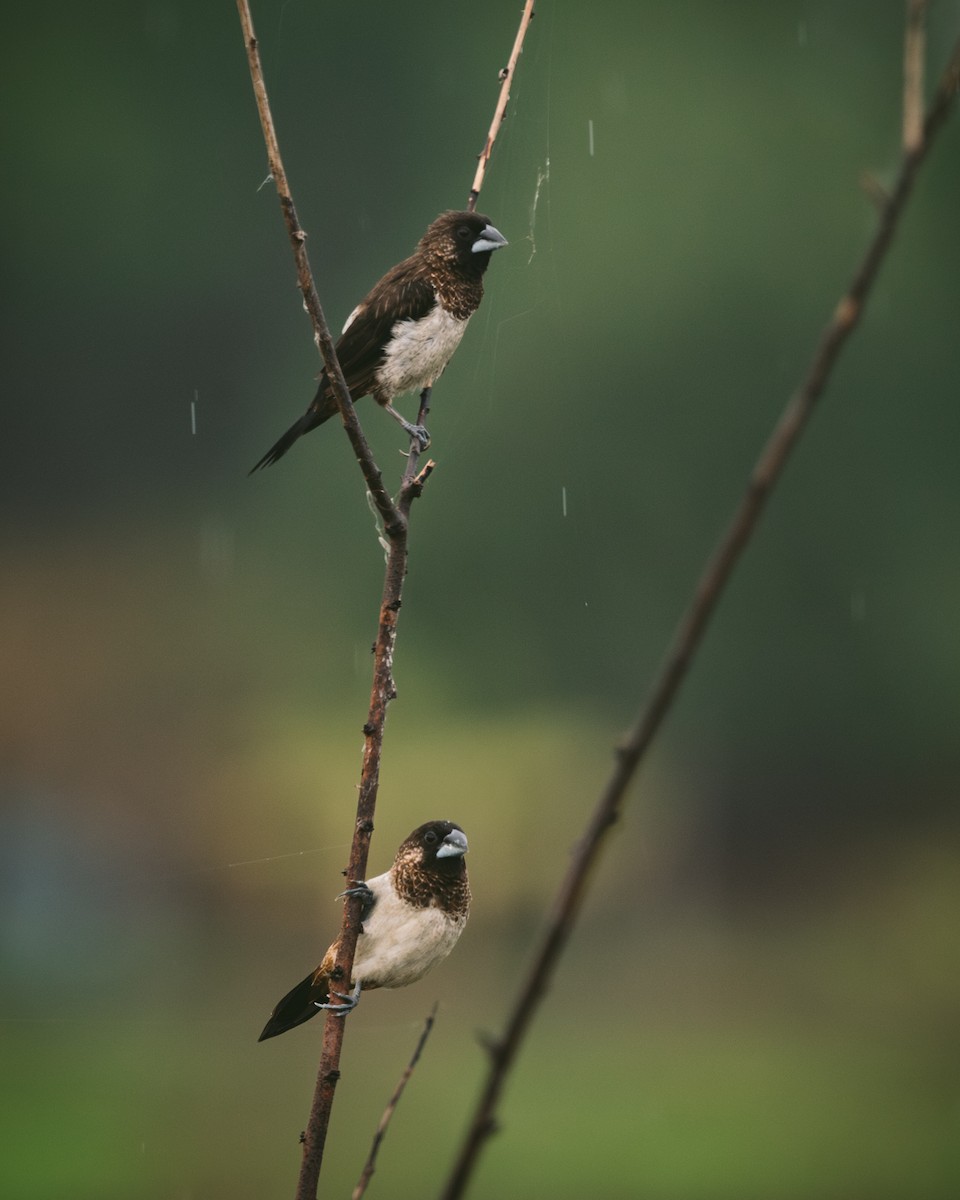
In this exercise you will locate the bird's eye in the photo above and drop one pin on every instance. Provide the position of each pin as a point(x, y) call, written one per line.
point(464, 232)
point(430, 837)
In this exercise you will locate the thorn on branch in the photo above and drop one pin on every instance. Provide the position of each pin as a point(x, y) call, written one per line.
point(369, 729)
point(394, 529)
point(847, 312)
point(504, 72)
point(874, 190)
point(621, 750)
point(491, 1045)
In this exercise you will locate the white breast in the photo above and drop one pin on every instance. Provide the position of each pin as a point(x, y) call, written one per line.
point(400, 944)
point(418, 351)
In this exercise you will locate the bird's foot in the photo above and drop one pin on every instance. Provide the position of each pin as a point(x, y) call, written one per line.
point(418, 432)
point(359, 889)
point(350, 1000)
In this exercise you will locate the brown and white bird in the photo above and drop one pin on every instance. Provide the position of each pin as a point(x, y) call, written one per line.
point(402, 334)
point(412, 917)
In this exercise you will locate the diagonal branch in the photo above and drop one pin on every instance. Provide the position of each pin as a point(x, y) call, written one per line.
point(311, 301)
point(689, 634)
point(506, 77)
point(370, 1166)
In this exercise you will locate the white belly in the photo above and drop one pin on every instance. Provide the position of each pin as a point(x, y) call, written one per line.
point(394, 951)
point(418, 352)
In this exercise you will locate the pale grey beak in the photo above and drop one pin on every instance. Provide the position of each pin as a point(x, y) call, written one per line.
point(455, 843)
point(489, 239)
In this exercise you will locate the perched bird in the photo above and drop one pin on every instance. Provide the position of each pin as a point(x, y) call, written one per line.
point(403, 333)
point(411, 919)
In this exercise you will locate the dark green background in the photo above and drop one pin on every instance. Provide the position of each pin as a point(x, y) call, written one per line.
point(761, 999)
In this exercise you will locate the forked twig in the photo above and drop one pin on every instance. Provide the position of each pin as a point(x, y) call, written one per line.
point(503, 1052)
point(371, 1164)
point(395, 517)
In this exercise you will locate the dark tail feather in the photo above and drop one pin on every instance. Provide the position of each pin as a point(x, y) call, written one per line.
point(322, 409)
point(297, 1006)
point(307, 422)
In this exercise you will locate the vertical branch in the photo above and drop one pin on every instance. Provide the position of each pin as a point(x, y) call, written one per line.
point(383, 690)
point(689, 634)
point(506, 76)
point(395, 522)
point(395, 517)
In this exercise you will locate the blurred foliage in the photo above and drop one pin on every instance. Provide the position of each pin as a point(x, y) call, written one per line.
point(771, 941)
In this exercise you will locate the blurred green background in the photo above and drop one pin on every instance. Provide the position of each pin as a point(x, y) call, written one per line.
point(761, 999)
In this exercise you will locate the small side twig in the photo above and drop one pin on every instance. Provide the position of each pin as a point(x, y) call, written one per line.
point(914, 45)
point(506, 79)
point(371, 1163)
point(767, 471)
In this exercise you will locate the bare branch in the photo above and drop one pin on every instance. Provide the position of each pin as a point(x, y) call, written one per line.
point(689, 634)
point(506, 77)
point(371, 1163)
point(395, 516)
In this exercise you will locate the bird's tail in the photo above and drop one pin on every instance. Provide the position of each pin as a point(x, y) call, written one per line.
point(319, 411)
point(297, 1006)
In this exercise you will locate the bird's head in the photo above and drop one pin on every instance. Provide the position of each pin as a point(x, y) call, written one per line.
point(464, 240)
point(436, 846)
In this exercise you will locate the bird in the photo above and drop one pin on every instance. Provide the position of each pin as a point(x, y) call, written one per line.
point(411, 918)
point(402, 334)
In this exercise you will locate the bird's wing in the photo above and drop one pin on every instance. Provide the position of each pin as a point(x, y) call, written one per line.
point(403, 294)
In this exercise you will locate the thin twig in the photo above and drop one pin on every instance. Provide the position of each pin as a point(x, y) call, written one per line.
point(371, 1163)
point(298, 240)
point(506, 77)
point(913, 60)
point(688, 637)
